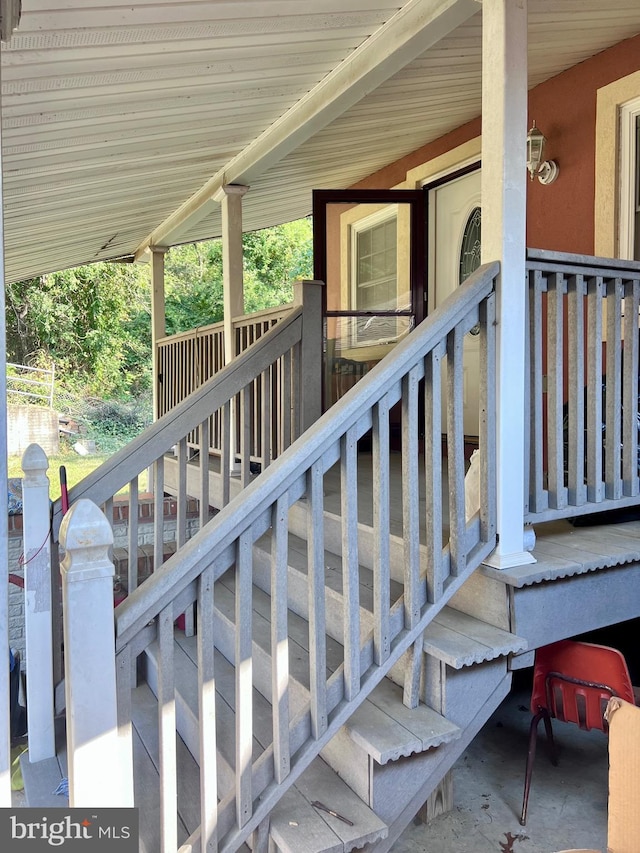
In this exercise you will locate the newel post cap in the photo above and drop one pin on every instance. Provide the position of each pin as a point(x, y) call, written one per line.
point(35, 465)
point(86, 536)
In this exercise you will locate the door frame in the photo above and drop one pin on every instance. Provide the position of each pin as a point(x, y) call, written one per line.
point(433, 183)
point(417, 256)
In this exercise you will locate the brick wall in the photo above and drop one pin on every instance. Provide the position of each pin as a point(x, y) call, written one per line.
point(120, 556)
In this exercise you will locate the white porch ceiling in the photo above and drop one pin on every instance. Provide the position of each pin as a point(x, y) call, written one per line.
point(116, 114)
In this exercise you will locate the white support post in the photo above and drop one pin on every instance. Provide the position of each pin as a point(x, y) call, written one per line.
point(504, 203)
point(97, 757)
point(309, 295)
point(37, 603)
point(230, 198)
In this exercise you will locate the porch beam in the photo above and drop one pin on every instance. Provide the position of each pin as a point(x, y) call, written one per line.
point(504, 203)
point(417, 26)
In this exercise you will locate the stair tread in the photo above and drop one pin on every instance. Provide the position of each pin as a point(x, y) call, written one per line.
point(387, 730)
point(462, 640)
point(298, 827)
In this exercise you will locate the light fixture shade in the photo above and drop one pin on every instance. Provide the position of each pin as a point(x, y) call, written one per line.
point(535, 150)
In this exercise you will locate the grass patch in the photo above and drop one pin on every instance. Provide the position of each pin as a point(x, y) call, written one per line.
point(77, 468)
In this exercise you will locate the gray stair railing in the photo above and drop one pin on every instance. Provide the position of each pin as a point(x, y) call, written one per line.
point(583, 445)
point(288, 350)
point(434, 567)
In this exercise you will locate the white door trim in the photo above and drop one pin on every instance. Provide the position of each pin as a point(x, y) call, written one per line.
point(629, 112)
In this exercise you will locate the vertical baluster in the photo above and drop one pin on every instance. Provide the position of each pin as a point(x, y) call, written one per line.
point(280, 638)
point(204, 472)
point(381, 532)
point(487, 433)
point(245, 435)
point(167, 732)
point(316, 601)
point(265, 419)
point(296, 392)
point(350, 566)
point(411, 532)
point(538, 495)
point(455, 451)
point(285, 412)
point(575, 427)
point(595, 486)
point(125, 682)
point(555, 390)
point(244, 678)
point(256, 431)
point(132, 577)
point(433, 471)
point(613, 394)
point(181, 521)
point(207, 714)
point(630, 386)
point(158, 514)
point(225, 451)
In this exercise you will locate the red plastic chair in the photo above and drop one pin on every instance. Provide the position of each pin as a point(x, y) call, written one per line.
point(572, 682)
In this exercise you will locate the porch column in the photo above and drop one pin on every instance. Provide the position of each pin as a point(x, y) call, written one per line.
point(504, 207)
point(230, 197)
point(158, 328)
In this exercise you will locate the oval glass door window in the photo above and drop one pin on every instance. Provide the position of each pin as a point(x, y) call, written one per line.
point(470, 251)
point(471, 245)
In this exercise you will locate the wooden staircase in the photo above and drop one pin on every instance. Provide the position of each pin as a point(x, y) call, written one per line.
point(308, 670)
point(382, 764)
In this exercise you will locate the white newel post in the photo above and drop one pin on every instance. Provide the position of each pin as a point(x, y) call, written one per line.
point(37, 603)
point(97, 764)
point(309, 295)
point(504, 210)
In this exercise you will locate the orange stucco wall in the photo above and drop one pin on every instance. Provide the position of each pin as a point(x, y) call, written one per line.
point(560, 216)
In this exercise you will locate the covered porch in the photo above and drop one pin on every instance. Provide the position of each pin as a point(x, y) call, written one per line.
point(316, 522)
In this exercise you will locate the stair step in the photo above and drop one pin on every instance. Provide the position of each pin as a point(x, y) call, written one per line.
point(460, 640)
point(387, 730)
point(298, 827)
point(146, 777)
point(318, 782)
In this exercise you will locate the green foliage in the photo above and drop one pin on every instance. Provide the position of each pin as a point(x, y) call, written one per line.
point(112, 424)
point(89, 321)
point(94, 322)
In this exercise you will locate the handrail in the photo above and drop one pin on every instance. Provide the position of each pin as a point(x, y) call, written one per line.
point(116, 472)
point(284, 473)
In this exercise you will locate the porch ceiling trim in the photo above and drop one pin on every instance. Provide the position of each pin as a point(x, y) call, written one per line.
point(418, 25)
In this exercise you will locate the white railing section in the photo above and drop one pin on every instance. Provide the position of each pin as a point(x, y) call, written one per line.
point(189, 359)
point(30, 384)
point(241, 660)
point(583, 385)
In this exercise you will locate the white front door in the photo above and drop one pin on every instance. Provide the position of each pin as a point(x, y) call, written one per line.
point(454, 252)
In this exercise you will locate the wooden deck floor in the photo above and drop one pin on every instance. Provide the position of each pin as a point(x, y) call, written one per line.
point(561, 550)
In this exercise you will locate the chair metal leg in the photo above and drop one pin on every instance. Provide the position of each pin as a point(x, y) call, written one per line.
point(552, 744)
point(531, 754)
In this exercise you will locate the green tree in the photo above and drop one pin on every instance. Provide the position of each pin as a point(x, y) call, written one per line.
point(89, 321)
point(94, 321)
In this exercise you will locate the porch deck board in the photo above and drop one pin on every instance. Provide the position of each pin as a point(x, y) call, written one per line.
point(562, 551)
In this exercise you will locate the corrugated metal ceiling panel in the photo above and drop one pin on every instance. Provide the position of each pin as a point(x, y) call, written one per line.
point(115, 114)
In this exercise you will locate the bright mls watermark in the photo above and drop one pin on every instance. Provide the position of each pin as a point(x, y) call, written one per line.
point(34, 830)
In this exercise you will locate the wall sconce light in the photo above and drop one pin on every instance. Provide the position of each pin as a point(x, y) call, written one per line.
point(545, 170)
